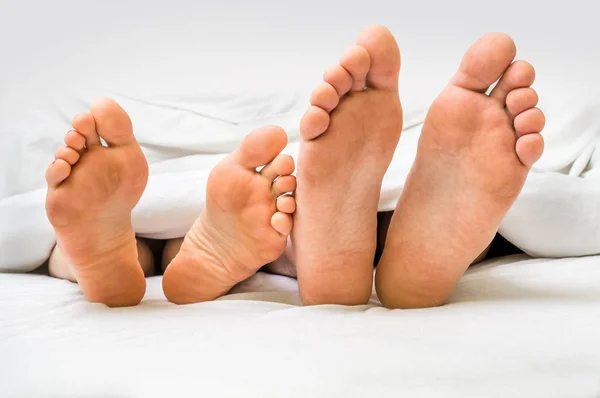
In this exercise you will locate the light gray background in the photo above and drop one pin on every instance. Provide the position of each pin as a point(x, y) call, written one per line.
point(160, 45)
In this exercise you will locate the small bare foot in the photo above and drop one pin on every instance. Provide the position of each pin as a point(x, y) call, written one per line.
point(473, 158)
point(91, 192)
point(349, 135)
point(245, 224)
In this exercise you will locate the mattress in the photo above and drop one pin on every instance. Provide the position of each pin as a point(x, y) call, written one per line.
point(515, 326)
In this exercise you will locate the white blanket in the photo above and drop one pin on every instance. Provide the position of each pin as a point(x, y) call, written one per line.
point(515, 327)
point(557, 215)
point(196, 79)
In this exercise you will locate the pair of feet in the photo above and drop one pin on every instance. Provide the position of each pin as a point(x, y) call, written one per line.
point(473, 157)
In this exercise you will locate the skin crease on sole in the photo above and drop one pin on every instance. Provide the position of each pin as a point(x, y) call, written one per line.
point(473, 157)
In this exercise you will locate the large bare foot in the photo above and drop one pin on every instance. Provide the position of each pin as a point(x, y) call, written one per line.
point(91, 192)
point(349, 135)
point(473, 157)
point(245, 224)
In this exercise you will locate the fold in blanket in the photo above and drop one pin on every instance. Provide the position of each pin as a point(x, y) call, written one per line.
point(557, 214)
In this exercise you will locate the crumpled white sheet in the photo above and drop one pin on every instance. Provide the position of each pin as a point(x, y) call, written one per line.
point(196, 78)
point(557, 214)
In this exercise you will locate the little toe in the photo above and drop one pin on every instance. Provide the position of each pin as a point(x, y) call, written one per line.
point(314, 123)
point(282, 223)
point(284, 184)
point(485, 61)
point(281, 165)
point(357, 61)
point(384, 56)
point(57, 172)
point(339, 78)
point(260, 147)
point(112, 122)
point(67, 154)
point(286, 204)
point(530, 148)
point(520, 74)
point(325, 97)
point(530, 121)
point(85, 124)
point(75, 140)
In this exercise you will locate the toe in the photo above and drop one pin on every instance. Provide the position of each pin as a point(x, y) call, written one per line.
point(357, 61)
point(112, 122)
point(85, 124)
point(314, 123)
point(282, 223)
point(260, 147)
point(520, 74)
point(325, 97)
point(384, 55)
point(530, 148)
point(286, 204)
point(339, 79)
point(75, 140)
point(530, 121)
point(281, 165)
point(58, 171)
point(284, 184)
point(520, 100)
point(485, 61)
point(67, 154)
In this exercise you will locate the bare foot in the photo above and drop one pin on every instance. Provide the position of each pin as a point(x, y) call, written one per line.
point(91, 192)
point(245, 224)
point(473, 158)
point(349, 135)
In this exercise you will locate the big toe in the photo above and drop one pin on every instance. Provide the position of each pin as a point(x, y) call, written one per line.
point(485, 62)
point(112, 122)
point(385, 57)
point(260, 147)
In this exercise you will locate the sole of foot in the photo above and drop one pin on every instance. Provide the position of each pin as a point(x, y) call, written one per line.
point(473, 157)
point(349, 135)
point(92, 190)
point(245, 224)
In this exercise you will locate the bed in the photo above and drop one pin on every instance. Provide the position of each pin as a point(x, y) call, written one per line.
point(515, 326)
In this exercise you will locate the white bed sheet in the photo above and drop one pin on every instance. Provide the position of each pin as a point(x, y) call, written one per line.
point(515, 327)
